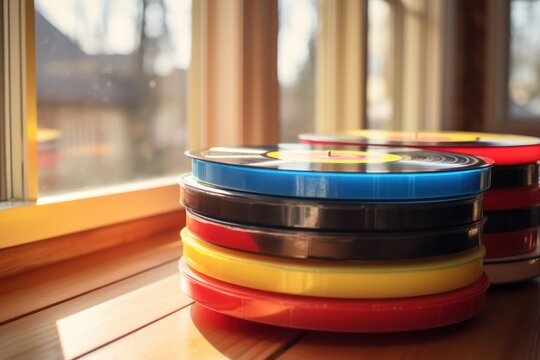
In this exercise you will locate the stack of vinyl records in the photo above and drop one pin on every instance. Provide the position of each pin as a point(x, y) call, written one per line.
point(512, 205)
point(351, 240)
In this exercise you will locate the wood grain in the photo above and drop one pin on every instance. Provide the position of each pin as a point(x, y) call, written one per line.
point(80, 325)
point(38, 289)
point(19, 259)
point(197, 333)
point(126, 302)
point(509, 328)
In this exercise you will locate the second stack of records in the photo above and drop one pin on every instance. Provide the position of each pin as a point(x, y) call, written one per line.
point(355, 240)
point(512, 205)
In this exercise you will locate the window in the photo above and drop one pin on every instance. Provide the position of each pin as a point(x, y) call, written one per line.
point(381, 75)
point(296, 66)
point(512, 70)
point(524, 61)
point(111, 91)
point(81, 60)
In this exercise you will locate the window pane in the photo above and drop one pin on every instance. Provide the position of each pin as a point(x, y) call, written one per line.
point(524, 79)
point(296, 67)
point(111, 89)
point(380, 65)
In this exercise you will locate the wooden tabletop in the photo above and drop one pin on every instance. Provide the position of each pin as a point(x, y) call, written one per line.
point(126, 303)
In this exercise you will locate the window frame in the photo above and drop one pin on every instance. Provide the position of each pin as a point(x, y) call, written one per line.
point(19, 165)
point(24, 217)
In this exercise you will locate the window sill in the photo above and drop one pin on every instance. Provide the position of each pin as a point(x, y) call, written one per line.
point(54, 216)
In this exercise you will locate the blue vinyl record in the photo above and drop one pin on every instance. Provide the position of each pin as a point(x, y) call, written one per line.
point(369, 173)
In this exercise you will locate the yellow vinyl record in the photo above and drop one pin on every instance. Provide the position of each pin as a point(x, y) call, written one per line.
point(334, 279)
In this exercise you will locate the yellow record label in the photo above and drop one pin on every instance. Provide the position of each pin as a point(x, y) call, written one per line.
point(334, 156)
point(435, 136)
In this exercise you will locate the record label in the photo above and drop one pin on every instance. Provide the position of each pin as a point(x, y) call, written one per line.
point(327, 314)
point(420, 138)
point(317, 245)
point(416, 175)
point(335, 279)
point(273, 211)
point(334, 156)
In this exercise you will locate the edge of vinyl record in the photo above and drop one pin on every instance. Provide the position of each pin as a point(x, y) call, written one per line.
point(350, 315)
point(334, 278)
point(272, 211)
point(512, 271)
point(250, 170)
point(333, 246)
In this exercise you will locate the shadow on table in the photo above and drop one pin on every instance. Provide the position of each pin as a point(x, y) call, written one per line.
point(239, 338)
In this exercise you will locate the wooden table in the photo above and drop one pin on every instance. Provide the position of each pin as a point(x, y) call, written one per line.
point(126, 303)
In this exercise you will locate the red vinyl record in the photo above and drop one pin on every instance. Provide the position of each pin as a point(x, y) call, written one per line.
point(503, 149)
point(512, 198)
point(344, 246)
point(502, 245)
point(339, 315)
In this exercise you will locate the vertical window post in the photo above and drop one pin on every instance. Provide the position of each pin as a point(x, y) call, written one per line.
point(341, 66)
point(18, 147)
point(234, 90)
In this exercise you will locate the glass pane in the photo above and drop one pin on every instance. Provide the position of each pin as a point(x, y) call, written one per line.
point(524, 77)
point(296, 67)
point(380, 65)
point(111, 89)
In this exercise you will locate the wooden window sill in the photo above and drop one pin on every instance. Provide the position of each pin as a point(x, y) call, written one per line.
point(126, 302)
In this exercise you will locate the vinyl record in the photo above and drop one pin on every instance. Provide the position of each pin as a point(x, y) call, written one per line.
point(356, 246)
point(503, 149)
point(371, 173)
point(273, 211)
point(512, 198)
point(534, 253)
point(335, 279)
point(513, 271)
point(507, 244)
point(341, 315)
point(512, 220)
point(514, 176)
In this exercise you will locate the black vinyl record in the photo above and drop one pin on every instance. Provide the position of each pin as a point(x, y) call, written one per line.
point(326, 215)
point(512, 220)
point(513, 176)
point(358, 246)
